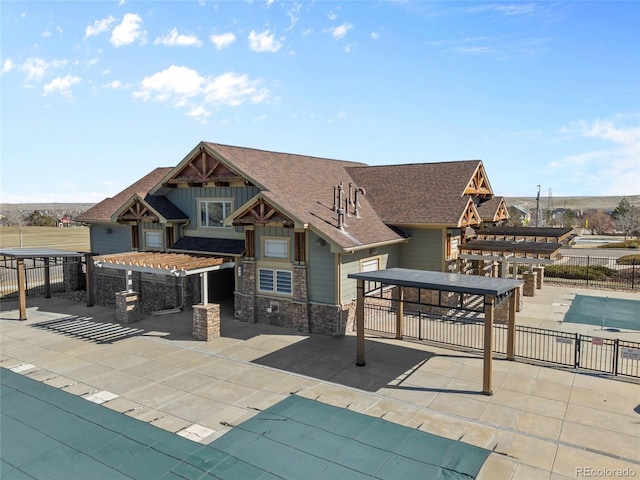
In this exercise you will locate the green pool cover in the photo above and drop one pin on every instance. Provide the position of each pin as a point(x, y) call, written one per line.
point(604, 311)
point(47, 433)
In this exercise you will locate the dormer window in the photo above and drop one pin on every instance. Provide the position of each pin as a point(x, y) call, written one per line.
point(213, 213)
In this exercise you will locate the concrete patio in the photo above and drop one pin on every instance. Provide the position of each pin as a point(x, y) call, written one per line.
point(540, 423)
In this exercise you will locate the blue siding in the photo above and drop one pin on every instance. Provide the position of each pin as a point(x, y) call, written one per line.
point(424, 251)
point(322, 272)
point(117, 241)
point(388, 258)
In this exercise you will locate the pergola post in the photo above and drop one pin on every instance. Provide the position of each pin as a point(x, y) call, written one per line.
point(360, 324)
point(204, 286)
point(511, 326)
point(89, 278)
point(22, 287)
point(47, 277)
point(399, 312)
point(489, 302)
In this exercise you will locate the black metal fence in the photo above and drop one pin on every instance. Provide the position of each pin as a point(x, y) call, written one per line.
point(63, 274)
point(596, 272)
point(567, 349)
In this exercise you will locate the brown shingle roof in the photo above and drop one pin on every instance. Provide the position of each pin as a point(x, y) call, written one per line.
point(429, 193)
point(105, 209)
point(489, 208)
point(303, 187)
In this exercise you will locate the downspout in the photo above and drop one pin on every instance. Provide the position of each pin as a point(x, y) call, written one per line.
point(339, 289)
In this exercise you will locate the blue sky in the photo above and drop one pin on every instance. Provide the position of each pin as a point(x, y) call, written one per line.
point(97, 94)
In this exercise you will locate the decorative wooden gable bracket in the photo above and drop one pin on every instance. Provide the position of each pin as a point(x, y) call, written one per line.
point(137, 211)
point(501, 213)
point(470, 216)
point(204, 169)
point(479, 184)
point(261, 213)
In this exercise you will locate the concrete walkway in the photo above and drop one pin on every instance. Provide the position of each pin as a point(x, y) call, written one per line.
point(540, 423)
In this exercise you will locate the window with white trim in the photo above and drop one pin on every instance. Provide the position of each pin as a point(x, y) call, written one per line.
point(153, 239)
point(370, 265)
point(274, 248)
point(275, 281)
point(213, 213)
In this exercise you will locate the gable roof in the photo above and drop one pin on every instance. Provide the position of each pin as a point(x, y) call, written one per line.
point(428, 193)
point(493, 210)
point(104, 210)
point(301, 187)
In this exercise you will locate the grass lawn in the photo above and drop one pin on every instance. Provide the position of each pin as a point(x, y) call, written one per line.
point(75, 239)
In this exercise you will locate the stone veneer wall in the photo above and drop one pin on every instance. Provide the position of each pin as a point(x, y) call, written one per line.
point(157, 292)
point(296, 313)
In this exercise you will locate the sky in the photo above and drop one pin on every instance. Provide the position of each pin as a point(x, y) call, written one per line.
point(94, 95)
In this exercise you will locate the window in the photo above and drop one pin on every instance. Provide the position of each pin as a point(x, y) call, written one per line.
point(213, 213)
point(276, 248)
point(275, 281)
point(153, 239)
point(370, 265)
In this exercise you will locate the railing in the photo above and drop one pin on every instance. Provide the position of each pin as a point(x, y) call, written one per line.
point(36, 275)
point(573, 350)
point(598, 272)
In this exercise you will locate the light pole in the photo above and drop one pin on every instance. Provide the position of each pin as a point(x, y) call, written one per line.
point(538, 206)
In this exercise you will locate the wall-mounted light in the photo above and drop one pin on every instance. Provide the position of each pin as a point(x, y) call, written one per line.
point(107, 230)
point(321, 242)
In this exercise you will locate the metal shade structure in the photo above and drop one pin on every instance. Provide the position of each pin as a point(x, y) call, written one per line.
point(494, 291)
point(22, 254)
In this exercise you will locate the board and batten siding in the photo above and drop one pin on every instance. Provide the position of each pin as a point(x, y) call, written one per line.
point(388, 258)
point(110, 238)
point(424, 251)
point(321, 271)
point(186, 199)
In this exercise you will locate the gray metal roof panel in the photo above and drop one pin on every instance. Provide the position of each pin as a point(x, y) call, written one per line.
point(448, 282)
point(38, 252)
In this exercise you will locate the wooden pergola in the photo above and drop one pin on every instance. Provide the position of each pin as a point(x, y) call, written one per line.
point(494, 290)
point(169, 264)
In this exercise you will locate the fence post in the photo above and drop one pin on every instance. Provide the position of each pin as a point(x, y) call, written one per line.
point(419, 325)
point(588, 257)
point(578, 342)
point(633, 274)
point(616, 346)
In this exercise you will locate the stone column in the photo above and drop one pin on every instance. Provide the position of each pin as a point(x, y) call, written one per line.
point(540, 271)
point(530, 284)
point(206, 321)
point(300, 299)
point(245, 300)
point(127, 307)
point(72, 273)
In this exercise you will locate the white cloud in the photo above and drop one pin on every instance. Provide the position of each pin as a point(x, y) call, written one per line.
point(199, 113)
point(128, 31)
point(341, 114)
point(263, 42)
point(174, 39)
point(341, 30)
point(332, 16)
point(61, 85)
point(46, 34)
point(99, 26)
point(223, 40)
point(35, 68)
point(375, 35)
point(117, 85)
point(7, 66)
point(184, 87)
point(614, 168)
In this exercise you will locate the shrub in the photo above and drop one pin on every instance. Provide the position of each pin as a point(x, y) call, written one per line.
point(596, 272)
point(625, 244)
point(629, 260)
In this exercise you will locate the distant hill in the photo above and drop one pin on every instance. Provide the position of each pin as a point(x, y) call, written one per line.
point(574, 203)
point(53, 207)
